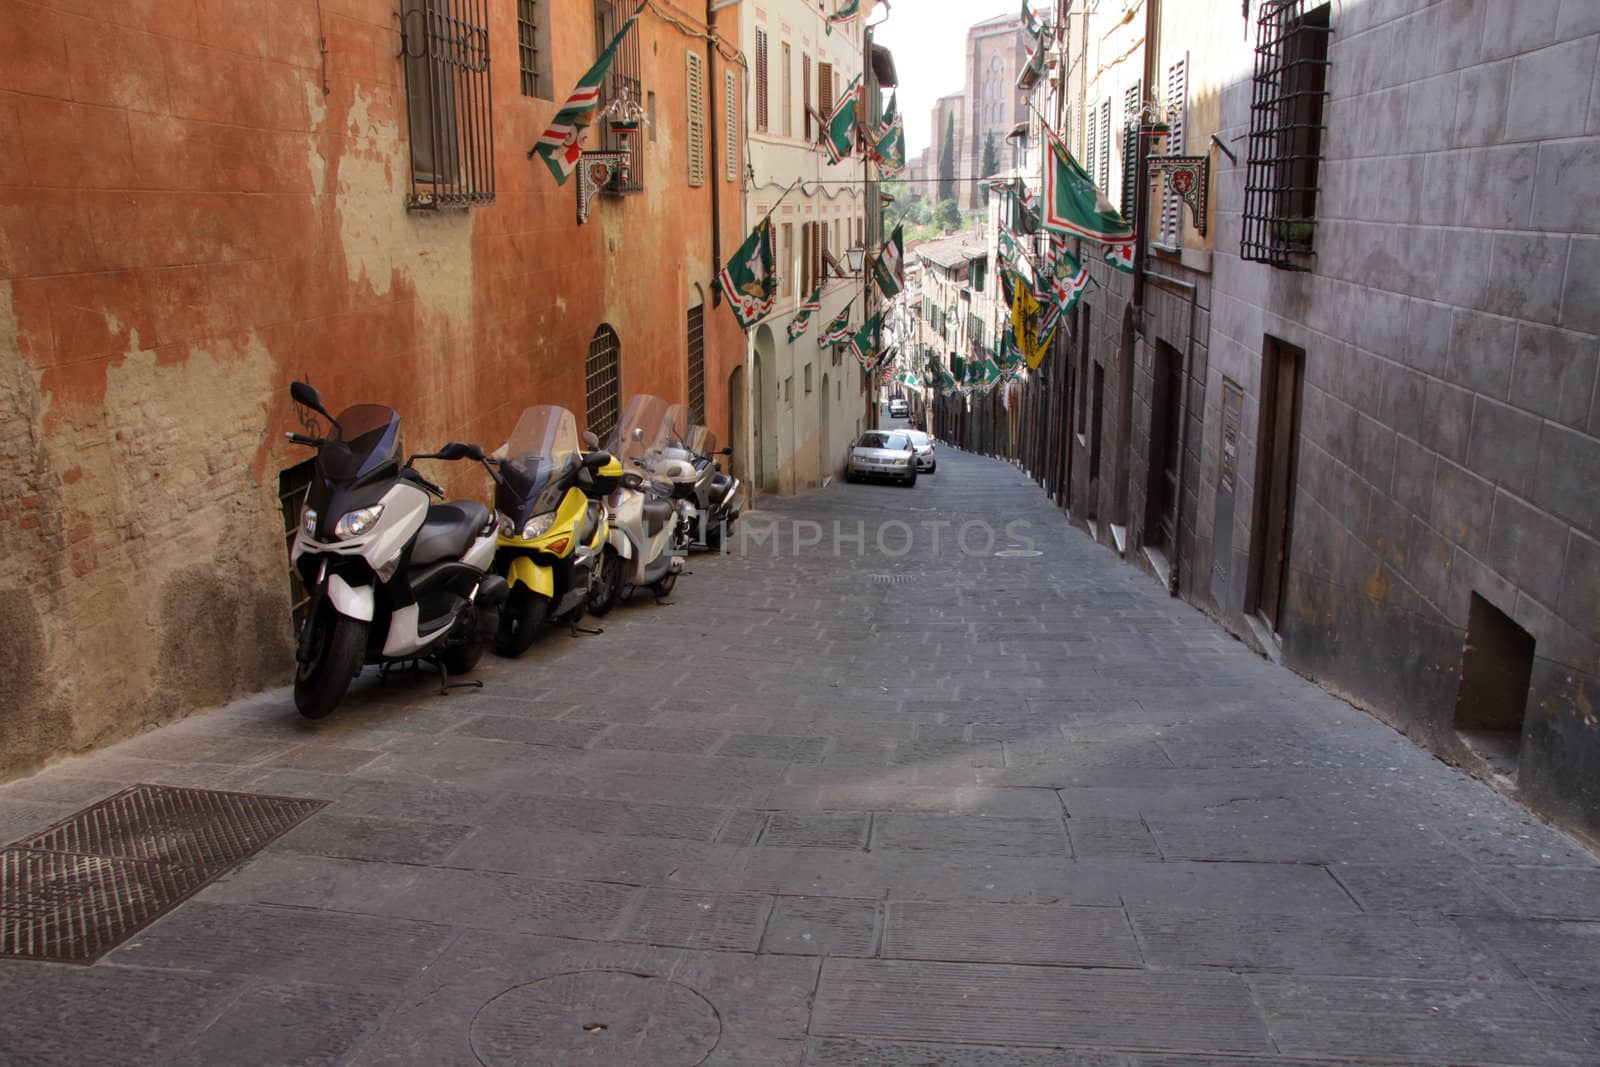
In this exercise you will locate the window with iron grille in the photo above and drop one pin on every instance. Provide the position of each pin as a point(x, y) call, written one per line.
point(445, 48)
point(533, 49)
point(1286, 113)
point(697, 118)
point(730, 125)
point(621, 81)
point(761, 80)
point(1132, 105)
point(1105, 144)
point(697, 364)
point(602, 381)
point(1177, 111)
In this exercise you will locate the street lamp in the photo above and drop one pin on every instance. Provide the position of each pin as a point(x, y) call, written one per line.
point(856, 257)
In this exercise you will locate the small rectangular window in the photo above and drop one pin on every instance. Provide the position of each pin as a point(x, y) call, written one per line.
point(445, 46)
point(1286, 111)
point(761, 80)
point(808, 379)
point(533, 48)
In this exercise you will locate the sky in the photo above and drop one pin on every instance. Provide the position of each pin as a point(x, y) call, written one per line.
point(929, 42)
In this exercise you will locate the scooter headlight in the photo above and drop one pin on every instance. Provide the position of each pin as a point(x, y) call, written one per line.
point(506, 527)
point(308, 522)
point(537, 525)
point(357, 522)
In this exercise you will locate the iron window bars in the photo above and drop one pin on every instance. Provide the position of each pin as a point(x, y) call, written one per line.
point(621, 80)
point(697, 363)
point(602, 385)
point(1286, 126)
point(445, 48)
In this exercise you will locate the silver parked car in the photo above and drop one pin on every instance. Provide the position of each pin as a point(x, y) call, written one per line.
point(882, 454)
point(922, 445)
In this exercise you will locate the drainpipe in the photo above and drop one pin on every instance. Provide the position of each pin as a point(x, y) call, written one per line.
point(711, 162)
point(1183, 425)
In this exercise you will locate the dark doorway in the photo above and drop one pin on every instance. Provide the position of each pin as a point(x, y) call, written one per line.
point(1496, 667)
point(1166, 404)
point(1097, 409)
point(1277, 444)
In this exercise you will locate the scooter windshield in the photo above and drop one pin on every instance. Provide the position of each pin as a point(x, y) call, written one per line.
point(542, 449)
point(366, 439)
point(702, 441)
point(676, 427)
point(640, 431)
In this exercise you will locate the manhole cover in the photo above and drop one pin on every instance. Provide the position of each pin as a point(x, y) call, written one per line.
point(74, 892)
point(596, 1017)
point(1018, 553)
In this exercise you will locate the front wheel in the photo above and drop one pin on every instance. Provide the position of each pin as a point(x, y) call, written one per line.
point(605, 585)
point(521, 620)
point(338, 648)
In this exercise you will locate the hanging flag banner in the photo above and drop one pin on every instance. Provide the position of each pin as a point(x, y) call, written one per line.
point(1072, 204)
point(1027, 320)
point(561, 146)
point(890, 151)
point(849, 11)
point(811, 304)
point(1030, 21)
point(889, 116)
point(1120, 255)
point(840, 136)
point(889, 269)
point(836, 332)
point(750, 280)
point(866, 340)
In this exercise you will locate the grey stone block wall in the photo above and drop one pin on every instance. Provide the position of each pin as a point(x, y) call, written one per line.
point(1450, 418)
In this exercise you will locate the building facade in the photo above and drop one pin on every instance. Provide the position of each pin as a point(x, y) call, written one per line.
point(996, 52)
point(806, 402)
point(202, 205)
point(1347, 403)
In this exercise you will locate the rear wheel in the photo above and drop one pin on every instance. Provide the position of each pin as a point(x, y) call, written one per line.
point(521, 621)
point(605, 586)
point(459, 659)
point(338, 648)
point(911, 479)
point(663, 587)
point(714, 534)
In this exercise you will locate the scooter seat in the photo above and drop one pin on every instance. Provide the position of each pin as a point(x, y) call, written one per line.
point(448, 530)
point(657, 513)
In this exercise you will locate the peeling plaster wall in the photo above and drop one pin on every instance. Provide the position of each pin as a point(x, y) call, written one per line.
point(188, 222)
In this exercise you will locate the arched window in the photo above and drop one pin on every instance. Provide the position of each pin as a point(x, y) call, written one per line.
point(697, 357)
point(602, 381)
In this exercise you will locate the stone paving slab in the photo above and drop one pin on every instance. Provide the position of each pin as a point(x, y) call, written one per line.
point(985, 811)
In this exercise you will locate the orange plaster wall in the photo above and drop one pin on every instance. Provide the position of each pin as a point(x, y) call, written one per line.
point(188, 222)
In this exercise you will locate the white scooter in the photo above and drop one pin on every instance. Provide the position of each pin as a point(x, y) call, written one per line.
point(648, 532)
point(392, 578)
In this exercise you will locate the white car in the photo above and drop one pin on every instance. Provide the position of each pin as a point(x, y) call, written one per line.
point(882, 454)
point(922, 446)
point(898, 408)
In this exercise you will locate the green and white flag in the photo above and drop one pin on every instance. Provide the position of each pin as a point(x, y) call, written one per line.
point(750, 279)
point(1030, 21)
point(890, 151)
point(866, 341)
point(849, 11)
point(1072, 204)
point(839, 138)
point(838, 331)
point(561, 146)
point(798, 324)
point(889, 269)
point(889, 116)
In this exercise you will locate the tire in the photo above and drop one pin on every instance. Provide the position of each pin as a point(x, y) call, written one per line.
point(663, 586)
point(849, 475)
point(605, 588)
point(521, 621)
point(911, 479)
point(714, 537)
point(341, 648)
point(459, 659)
point(933, 467)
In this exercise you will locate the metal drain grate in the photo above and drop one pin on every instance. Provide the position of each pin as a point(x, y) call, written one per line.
point(72, 893)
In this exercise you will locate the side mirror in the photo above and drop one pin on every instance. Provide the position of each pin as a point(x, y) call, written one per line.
point(590, 441)
point(457, 450)
point(638, 433)
point(305, 394)
point(726, 451)
point(595, 460)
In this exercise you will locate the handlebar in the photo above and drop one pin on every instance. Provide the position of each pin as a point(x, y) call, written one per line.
point(302, 439)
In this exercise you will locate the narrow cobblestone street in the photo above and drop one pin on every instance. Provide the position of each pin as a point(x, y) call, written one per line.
point(845, 809)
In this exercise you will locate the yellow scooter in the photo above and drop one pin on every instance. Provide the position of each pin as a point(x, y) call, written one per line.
point(552, 525)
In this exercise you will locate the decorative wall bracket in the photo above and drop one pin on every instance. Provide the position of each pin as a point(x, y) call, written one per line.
point(1190, 178)
point(595, 171)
